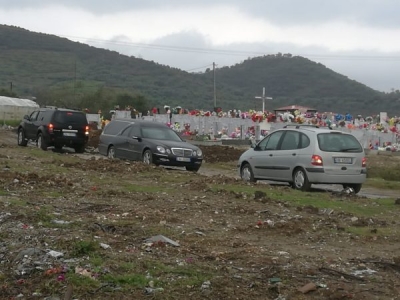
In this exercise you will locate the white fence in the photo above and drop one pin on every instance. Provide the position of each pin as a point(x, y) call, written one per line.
point(214, 125)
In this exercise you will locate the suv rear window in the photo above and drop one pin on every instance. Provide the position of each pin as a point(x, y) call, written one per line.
point(70, 117)
point(337, 142)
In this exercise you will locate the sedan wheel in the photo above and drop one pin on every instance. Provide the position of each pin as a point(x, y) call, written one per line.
point(192, 169)
point(148, 157)
point(111, 152)
point(246, 173)
point(300, 180)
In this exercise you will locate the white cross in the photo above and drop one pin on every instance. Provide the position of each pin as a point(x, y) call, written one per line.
point(263, 99)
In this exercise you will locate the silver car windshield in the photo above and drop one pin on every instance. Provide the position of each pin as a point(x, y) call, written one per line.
point(337, 142)
point(160, 134)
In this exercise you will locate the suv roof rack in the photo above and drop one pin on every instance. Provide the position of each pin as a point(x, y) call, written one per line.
point(300, 125)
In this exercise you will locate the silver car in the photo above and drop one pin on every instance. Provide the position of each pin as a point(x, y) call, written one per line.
point(305, 155)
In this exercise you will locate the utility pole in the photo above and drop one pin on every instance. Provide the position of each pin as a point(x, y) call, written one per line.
point(215, 94)
point(75, 83)
point(263, 99)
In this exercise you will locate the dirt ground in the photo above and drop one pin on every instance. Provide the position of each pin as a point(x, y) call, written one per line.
point(77, 227)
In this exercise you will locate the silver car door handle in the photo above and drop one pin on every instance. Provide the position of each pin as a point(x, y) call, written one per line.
point(270, 155)
point(294, 154)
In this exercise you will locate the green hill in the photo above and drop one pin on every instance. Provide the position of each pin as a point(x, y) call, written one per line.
point(58, 71)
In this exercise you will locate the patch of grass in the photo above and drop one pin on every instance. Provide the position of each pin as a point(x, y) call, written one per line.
point(82, 248)
point(80, 281)
point(3, 192)
point(131, 279)
point(43, 215)
point(15, 202)
point(52, 194)
point(131, 187)
point(12, 123)
point(229, 166)
point(380, 183)
point(40, 154)
point(96, 260)
point(189, 275)
point(156, 229)
point(318, 199)
point(368, 231)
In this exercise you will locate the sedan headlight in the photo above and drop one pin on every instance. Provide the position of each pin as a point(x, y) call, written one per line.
point(161, 149)
point(199, 152)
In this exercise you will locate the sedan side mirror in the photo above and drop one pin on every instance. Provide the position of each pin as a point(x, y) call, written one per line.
point(139, 139)
point(26, 117)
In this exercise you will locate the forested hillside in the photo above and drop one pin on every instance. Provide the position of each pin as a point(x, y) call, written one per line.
point(60, 72)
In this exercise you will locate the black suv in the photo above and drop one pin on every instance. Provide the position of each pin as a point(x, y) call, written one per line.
point(56, 127)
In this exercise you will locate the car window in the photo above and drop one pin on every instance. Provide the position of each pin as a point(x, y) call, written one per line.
point(33, 116)
point(40, 116)
point(115, 127)
point(70, 117)
point(126, 131)
point(273, 141)
point(136, 131)
point(336, 142)
point(261, 145)
point(304, 141)
point(160, 133)
point(290, 140)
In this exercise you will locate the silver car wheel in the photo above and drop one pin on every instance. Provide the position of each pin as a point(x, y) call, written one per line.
point(246, 173)
point(111, 153)
point(299, 179)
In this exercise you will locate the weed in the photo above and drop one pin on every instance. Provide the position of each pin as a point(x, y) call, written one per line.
point(82, 248)
point(42, 215)
point(131, 279)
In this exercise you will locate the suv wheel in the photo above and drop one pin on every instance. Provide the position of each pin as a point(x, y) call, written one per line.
point(41, 143)
point(79, 148)
point(148, 157)
point(246, 173)
point(21, 138)
point(300, 180)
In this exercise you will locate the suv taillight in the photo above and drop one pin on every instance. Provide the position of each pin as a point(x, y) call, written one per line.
point(87, 130)
point(50, 127)
point(316, 160)
point(364, 162)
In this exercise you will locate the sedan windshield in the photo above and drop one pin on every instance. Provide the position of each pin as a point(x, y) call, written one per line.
point(160, 134)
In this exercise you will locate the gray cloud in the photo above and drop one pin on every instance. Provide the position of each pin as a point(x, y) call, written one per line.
point(290, 12)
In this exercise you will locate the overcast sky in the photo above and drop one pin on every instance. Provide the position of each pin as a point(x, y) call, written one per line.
point(357, 38)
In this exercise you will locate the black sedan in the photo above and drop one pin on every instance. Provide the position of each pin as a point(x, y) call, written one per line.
point(150, 142)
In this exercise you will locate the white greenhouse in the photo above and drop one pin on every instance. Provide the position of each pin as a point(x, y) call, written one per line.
point(15, 108)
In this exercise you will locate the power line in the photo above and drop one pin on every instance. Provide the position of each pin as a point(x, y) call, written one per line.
point(209, 65)
point(232, 52)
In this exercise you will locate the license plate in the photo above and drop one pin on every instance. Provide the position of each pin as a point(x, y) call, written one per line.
point(183, 159)
point(69, 134)
point(342, 160)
